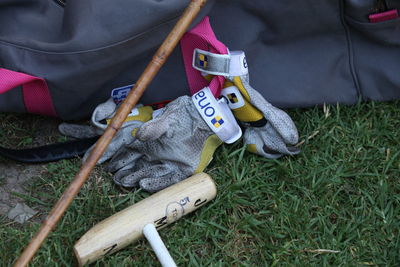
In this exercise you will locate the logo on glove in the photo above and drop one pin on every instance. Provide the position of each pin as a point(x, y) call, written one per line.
point(233, 98)
point(244, 62)
point(217, 121)
point(203, 60)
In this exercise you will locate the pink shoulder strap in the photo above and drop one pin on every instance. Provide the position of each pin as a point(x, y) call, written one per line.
point(36, 94)
point(201, 36)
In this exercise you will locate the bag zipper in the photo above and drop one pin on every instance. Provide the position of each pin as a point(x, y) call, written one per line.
point(60, 2)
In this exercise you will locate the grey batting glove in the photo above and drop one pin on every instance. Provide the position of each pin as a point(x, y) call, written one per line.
point(174, 145)
point(101, 113)
point(269, 131)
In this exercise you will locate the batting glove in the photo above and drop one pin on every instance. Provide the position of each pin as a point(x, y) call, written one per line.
point(101, 117)
point(269, 131)
point(176, 144)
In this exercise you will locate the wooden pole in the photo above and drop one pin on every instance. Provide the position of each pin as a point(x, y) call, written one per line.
point(144, 80)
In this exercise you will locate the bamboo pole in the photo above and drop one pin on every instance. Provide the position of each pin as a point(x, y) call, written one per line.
point(144, 80)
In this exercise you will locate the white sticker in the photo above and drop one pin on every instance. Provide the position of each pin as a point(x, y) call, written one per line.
point(238, 64)
point(134, 112)
point(119, 94)
point(233, 97)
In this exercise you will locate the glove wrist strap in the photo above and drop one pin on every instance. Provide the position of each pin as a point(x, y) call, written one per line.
point(231, 65)
point(217, 115)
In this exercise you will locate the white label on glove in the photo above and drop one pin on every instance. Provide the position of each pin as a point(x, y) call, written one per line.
point(217, 115)
point(233, 97)
point(233, 64)
point(238, 64)
point(134, 112)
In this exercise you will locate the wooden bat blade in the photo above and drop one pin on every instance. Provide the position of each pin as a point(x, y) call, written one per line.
point(161, 209)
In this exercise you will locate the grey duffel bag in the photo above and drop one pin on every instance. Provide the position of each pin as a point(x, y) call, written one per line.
point(301, 53)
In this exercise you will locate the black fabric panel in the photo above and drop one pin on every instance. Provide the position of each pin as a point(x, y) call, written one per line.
point(82, 25)
point(376, 48)
point(296, 50)
point(13, 100)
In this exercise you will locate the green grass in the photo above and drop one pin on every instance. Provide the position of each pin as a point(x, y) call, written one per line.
point(341, 194)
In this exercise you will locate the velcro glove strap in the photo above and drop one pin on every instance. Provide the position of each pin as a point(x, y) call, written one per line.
point(217, 115)
point(233, 64)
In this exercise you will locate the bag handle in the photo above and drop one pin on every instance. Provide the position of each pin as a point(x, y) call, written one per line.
point(36, 94)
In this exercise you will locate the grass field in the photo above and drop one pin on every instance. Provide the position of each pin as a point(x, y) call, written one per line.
point(335, 204)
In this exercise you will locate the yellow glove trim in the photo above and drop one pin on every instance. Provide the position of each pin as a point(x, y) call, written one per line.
point(208, 77)
point(145, 114)
point(252, 148)
point(134, 131)
point(238, 83)
point(246, 113)
point(211, 144)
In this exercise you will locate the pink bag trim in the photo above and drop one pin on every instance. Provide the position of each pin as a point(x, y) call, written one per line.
point(36, 94)
point(383, 16)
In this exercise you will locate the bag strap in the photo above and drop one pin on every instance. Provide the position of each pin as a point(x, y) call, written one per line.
point(202, 37)
point(36, 94)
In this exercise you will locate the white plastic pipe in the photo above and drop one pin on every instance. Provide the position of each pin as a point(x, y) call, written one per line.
point(151, 234)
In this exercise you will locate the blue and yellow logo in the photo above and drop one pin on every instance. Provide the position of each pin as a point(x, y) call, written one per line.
point(203, 60)
point(217, 121)
point(233, 98)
